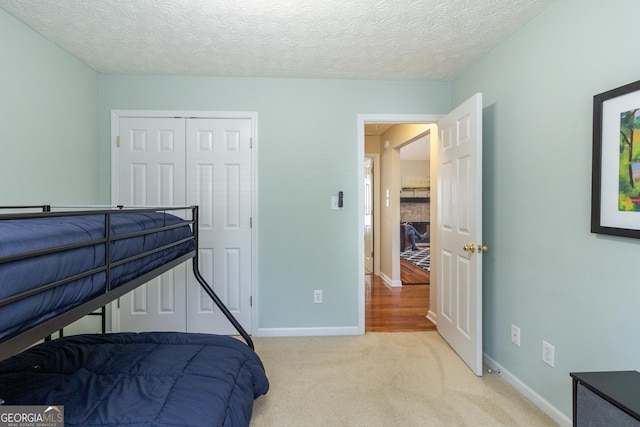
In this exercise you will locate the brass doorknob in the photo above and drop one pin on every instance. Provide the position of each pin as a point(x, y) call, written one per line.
point(469, 248)
point(482, 249)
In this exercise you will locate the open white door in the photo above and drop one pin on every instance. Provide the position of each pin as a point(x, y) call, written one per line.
point(459, 231)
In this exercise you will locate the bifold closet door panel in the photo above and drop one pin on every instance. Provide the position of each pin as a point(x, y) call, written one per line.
point(219, 180)
point(152, 172)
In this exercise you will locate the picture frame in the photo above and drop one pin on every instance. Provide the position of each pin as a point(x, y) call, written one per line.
point(615, 188)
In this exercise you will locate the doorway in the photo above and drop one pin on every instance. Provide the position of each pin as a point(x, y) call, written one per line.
point(457, 199)
point(386, 259)
point(415, 210)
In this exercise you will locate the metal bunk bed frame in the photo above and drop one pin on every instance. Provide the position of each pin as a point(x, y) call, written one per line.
point(43, 330)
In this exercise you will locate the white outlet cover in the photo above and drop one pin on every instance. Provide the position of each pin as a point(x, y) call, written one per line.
point(548, 354)
point(515, 335)
point(317, 297)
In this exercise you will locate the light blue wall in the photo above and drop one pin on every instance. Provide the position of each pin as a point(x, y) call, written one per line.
point(307, 142)
point(545, 271)
point(48, 121)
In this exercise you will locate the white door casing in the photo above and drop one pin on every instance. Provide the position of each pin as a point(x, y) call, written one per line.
point(459, 231)
point(368, 215)
point(224, 190)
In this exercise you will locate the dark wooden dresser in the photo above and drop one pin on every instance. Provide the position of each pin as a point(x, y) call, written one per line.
point(606, 399)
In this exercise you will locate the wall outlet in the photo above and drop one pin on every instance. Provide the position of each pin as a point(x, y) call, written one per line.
point(317, 297)
point(515, 335)
point(548, 354)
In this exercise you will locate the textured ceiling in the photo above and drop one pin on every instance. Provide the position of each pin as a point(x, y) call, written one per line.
point(353, 39)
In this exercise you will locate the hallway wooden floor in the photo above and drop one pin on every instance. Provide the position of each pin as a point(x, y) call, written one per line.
point(402, 309)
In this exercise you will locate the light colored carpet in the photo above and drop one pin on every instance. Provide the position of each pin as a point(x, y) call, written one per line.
point(382, 379)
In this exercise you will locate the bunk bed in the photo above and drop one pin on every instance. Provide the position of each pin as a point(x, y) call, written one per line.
point(57, 266)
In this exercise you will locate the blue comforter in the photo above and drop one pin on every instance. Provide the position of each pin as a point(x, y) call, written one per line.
point(26, 235)
point(148, 379)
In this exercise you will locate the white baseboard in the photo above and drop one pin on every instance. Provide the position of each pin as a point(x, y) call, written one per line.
point(307, 332)
point(433, 317)
point(528, 393)
point(389, 282)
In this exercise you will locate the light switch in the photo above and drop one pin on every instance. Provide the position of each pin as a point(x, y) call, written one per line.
point(334, 203)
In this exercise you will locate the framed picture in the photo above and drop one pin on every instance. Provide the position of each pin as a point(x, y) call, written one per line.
point(615, 191)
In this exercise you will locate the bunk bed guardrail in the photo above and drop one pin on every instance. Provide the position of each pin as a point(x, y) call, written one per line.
point(18, 342)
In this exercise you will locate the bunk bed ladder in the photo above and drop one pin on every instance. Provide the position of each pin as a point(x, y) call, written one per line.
point(209, 290)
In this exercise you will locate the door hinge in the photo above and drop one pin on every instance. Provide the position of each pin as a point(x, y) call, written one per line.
point(118, 303)
point(251, 142)
point(118, 141)
point(250, 222)
point(250, 300)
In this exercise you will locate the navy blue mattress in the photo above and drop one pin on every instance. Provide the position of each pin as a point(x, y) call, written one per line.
point(148, 379)
point(24, 235)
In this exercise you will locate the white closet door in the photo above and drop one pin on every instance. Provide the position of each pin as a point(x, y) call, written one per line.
point(151, 172)
point(219, 180)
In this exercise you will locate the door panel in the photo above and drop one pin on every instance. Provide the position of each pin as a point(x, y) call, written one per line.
point(445, 288)
point(459, 180)
point(205, 304)
point(151, 164)
point(219, 176)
